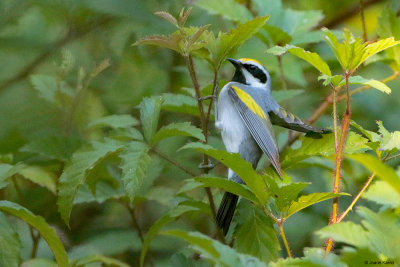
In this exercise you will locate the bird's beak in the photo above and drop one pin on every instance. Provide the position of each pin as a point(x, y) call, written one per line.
point(235, 62)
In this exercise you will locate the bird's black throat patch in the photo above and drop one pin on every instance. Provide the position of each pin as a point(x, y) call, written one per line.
point(239, 77)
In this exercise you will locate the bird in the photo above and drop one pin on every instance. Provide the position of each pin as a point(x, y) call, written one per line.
point(245, 112)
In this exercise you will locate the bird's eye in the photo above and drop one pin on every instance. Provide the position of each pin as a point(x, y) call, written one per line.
point(252, 67)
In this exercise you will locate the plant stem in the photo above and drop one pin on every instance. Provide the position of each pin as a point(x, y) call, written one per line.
point(35, 242)
point(339, 158)
point(282, 73)
point(135, 222)
point(365, 35)
point(350, 207)
point(280, 224)
point(204, 123)
point(176, 164)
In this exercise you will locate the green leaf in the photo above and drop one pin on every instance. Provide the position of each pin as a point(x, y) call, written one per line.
point(324, 146)
point(167, 16)
point(384, 172)
point(308, 200)
point(178, 129)
point(347, 232)
point(381, 192)
point(277, 35)
point(135, 162)
point(227, 43)
point(389, 26)
point(6, 171)
point(10, 244)
point(54, 147)
point(335, 79)
point(149, 114)
point(86, 261)
point(388, 141)
point(241, 167)
point(40, 176)
point(225, 184)
point(47, 87)
point(312, 58)
point(285, 194)
point(76, 171)
point(104, 191)
point(114, 121)
point(255, 234)
point(282, 95)
point(172, 41)
point(180, 103)
point(216, 252)
point(373, 83)
point(37, 222)
point(155, 228)
point(229, 9)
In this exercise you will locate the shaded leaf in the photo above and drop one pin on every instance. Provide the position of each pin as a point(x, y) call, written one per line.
point(76, 171)
point(99, 259)
point(39, 263)
point(10, 244)
point(229, 9)
point(282, 95)
point(178, 129)
point(172, 41)
point(37, 222)
point(39, 176)
point(215, 251)
point(149, 114)
point(347, 232)
point(114, 121)
point(135, 161)
point(180, 103)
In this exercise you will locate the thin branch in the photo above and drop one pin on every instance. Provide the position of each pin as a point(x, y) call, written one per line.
point(282, 73)
point(173, 162)
point(35, 242)
point(350, 207)
point(365, 35)
point(135, 221)
point(69, 37)
point(393, 157)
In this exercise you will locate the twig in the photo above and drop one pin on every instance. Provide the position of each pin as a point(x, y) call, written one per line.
point(282, 73)
point(350, 207)
point(365, 35)
point(35, 242)
point(135, 221)
point(165, 157)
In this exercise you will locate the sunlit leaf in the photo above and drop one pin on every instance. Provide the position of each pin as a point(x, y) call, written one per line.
point(373, 83)
point(37, 222)
point(384, 172)
point(347, 232)
point(381, 192)
point(312, 58)
point(40, 176)
point(308, 200)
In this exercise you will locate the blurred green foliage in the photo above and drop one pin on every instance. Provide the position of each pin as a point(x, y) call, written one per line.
point(92, 169)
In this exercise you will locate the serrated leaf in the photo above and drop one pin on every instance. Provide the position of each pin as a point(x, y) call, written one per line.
point(149, 114)
point(167, 16)
point(373, 83)
point(6, 171)
point(180, 103)
point(229, 9)
point(389, 26)
point(114, 121)
point(76, 171)
point(381, 192)
point(255, 234)
point(155, 228)
point(135, 161)
point(324, 146)
point(282, 95)
point(384, 172)
point(312, 58)
point(285, 194)
point(104, 191)
point(227, 43)
point(241, 167)
point(388, 140)
point(172, 41)
point(178, 129)
point(369, 134)
point(46, 86)
point(40, 176)
point(347, 232)
point(335, 79)
point(308, 200)
point(10, 244)
point(37, 222)
point(216, 252)
point(225, 184)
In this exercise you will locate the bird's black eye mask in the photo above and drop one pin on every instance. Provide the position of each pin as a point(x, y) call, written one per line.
point(256, 72)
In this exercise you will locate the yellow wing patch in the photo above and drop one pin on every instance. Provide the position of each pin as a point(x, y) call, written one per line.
point(250, 102)
point(249, 60)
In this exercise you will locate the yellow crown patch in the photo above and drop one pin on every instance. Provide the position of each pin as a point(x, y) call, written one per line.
point(249, 60)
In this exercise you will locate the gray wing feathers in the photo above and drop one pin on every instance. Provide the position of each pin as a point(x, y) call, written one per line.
point(260, 129)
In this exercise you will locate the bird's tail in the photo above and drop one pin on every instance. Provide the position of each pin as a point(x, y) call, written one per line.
point(226, 211)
